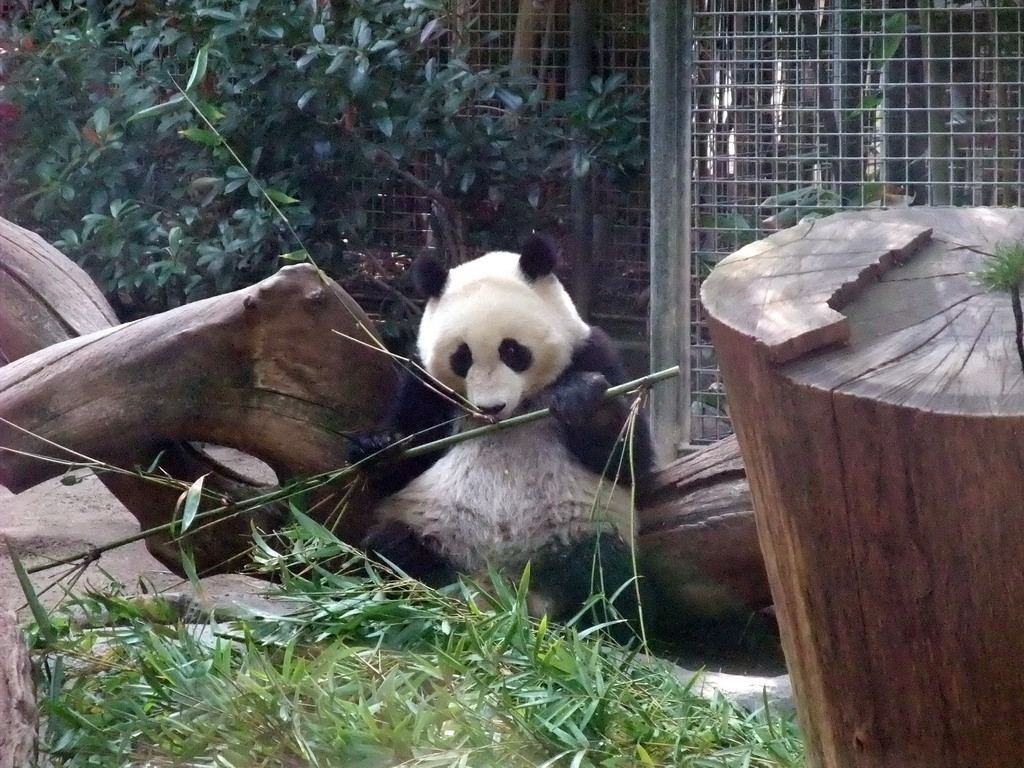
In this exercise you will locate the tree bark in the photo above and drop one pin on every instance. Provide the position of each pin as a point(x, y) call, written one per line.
point(244, 369)
point(45, 297)
point(17, 697)
point(879, 406)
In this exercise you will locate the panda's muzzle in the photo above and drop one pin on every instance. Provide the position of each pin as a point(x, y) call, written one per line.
point(491, 410)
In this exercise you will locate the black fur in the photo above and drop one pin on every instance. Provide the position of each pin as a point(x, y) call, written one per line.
point(397, 544)
point(568, 576)
point(538, 257)
point(429, 276)
point(419, 414)
point(592, 427)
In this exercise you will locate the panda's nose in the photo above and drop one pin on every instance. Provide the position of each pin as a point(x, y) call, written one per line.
point(491, 410)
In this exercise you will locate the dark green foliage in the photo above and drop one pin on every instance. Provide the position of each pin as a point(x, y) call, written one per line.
point(325, 111)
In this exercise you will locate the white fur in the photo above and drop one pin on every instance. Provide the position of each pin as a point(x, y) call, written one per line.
point(501, 498)
point(487, 300)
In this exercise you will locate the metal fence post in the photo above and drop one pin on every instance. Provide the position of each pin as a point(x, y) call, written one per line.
point(671, 71)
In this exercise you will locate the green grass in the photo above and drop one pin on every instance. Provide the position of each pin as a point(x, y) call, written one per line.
point(1003, 270)
point(363, 672)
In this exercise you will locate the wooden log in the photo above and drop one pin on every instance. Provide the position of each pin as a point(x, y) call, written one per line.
point(698, 538)
point(263, 370)
point(18, 715)
point(45, 298)
point(879, 405)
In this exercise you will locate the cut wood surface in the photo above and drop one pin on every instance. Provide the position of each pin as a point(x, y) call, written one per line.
point(17, 697)
point(879, 405)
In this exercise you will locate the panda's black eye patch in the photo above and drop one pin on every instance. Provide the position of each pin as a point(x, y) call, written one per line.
point(515, 355)
point(460, 360)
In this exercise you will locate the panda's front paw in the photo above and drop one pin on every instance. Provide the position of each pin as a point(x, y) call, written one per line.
point(575, 400)
point(372, 447)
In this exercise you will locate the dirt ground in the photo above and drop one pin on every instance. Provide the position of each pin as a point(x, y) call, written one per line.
point(53, 520)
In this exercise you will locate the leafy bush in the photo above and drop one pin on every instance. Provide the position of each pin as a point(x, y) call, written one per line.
point(322, 110)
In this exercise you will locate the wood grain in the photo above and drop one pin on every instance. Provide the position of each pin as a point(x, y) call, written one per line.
point(263, 370)
point(886, 462)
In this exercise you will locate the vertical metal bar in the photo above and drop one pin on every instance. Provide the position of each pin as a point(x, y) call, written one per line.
point(671, 97)
point(581, 202)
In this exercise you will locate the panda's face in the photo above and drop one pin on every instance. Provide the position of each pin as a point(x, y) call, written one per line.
point(496, 337)
point(495, 359)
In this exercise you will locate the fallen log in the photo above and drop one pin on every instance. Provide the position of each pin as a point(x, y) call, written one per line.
point(698, 537)
point(260, 370)
point(45, 298)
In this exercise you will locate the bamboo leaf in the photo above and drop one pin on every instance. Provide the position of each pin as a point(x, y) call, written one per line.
point(190, 503)
point(39, 613)
point(198, 68)
point(188, 565)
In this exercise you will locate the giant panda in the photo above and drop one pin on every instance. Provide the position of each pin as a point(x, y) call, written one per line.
point(500, 336)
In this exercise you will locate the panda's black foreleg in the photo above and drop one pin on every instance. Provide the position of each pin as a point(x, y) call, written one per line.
point(594, 428)
point(418, 415)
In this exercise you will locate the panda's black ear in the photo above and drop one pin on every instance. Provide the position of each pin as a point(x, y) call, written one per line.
point(429, 276)
point(539, 257)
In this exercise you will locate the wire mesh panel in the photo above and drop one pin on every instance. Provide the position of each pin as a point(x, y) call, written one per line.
point(622, 269)
point(806, 107)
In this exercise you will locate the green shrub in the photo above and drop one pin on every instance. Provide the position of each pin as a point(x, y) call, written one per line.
point(323, 110)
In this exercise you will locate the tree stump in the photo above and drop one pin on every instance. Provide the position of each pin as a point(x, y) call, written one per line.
point(17, 697)
point(878, 401)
